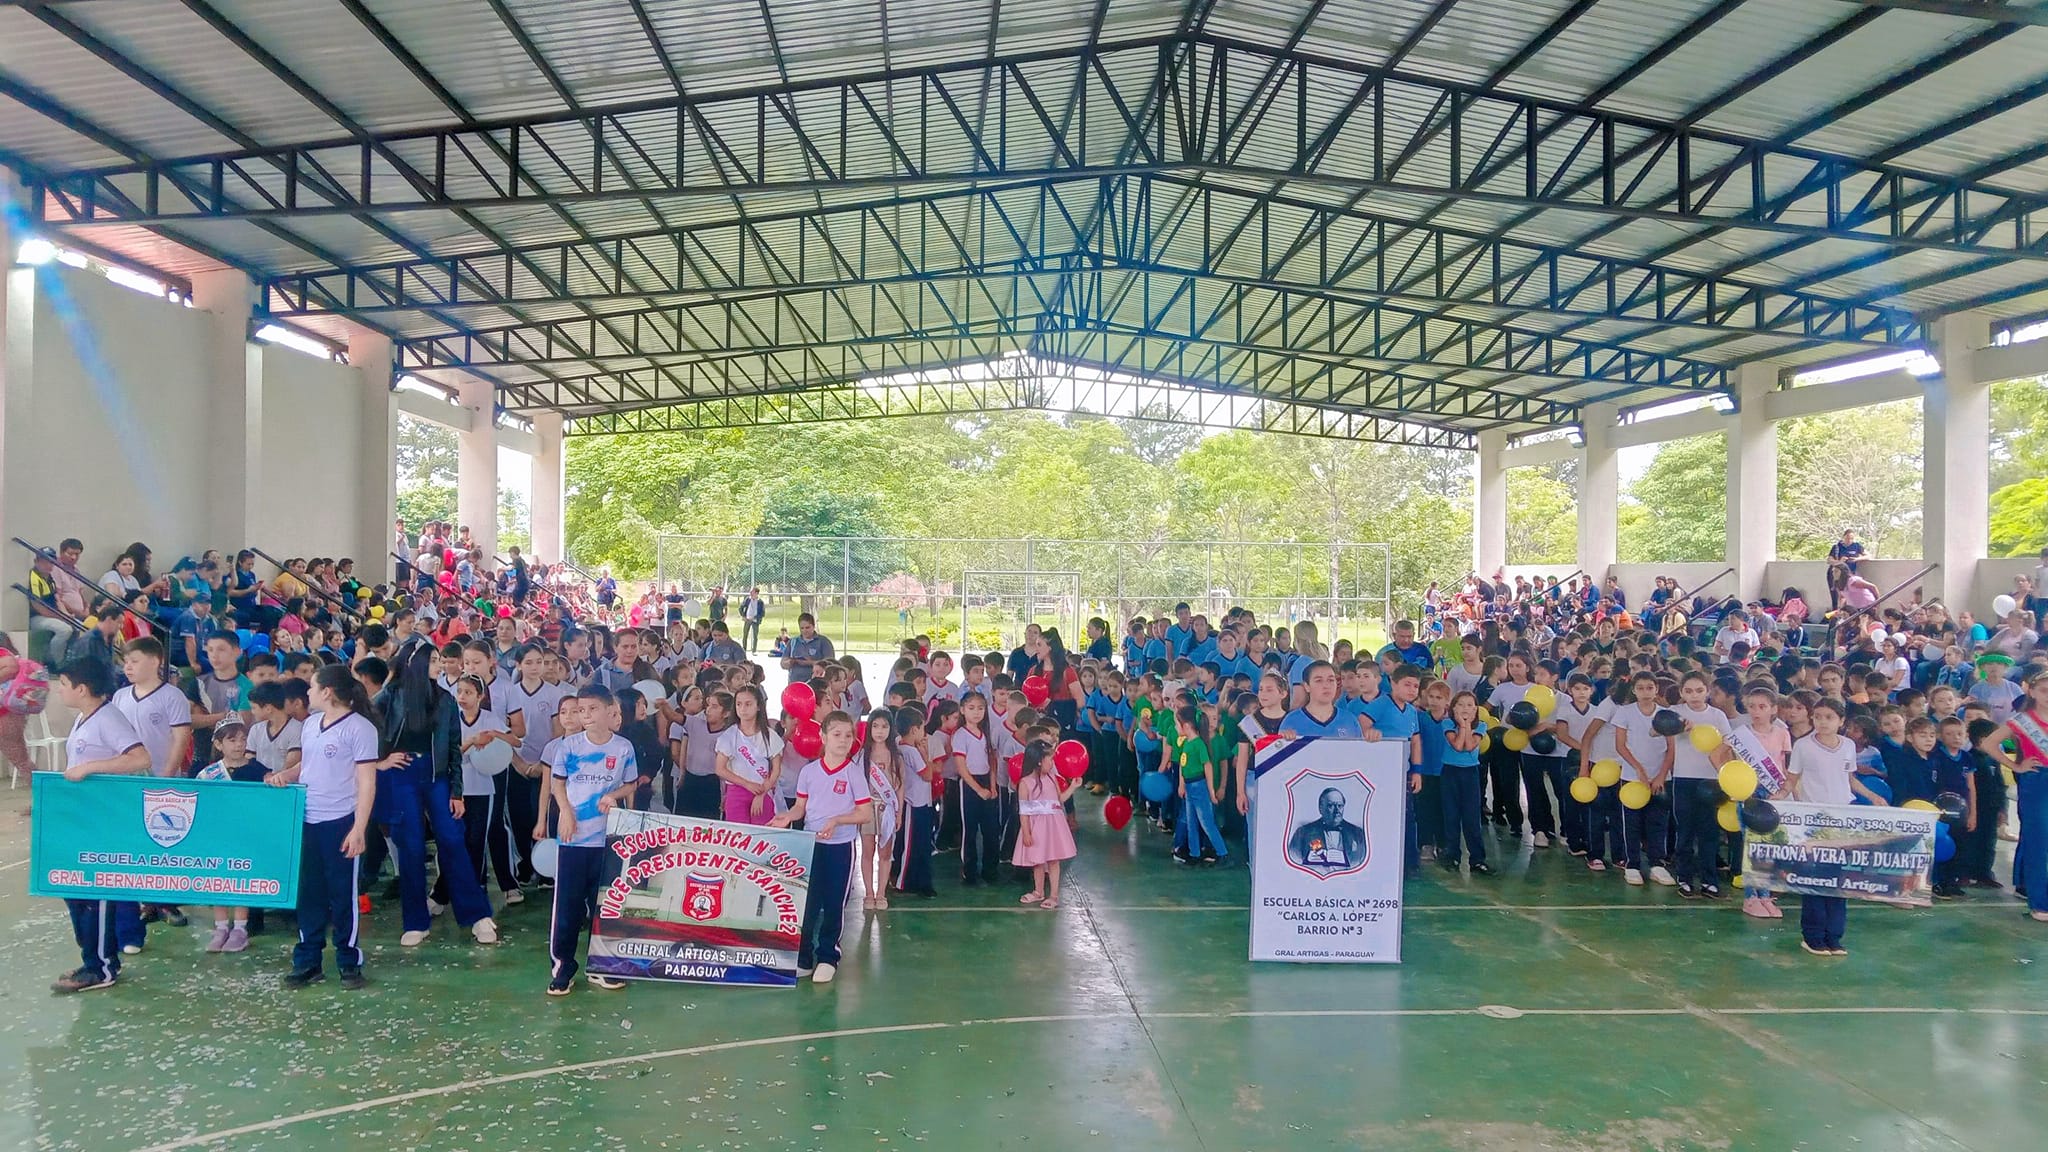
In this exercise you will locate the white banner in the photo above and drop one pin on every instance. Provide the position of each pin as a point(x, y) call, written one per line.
point(1329, 816)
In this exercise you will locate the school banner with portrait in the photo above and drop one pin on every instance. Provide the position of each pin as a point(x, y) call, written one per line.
point(165, 841)
point(1862, 853)
point(701, 901)
point(1329, 816)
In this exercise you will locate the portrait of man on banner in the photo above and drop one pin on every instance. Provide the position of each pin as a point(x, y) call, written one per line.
point(1328, 815)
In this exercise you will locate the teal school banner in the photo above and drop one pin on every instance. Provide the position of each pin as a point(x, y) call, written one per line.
point(165, 841)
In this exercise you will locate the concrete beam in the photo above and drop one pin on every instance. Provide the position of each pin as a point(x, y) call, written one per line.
point(476, 481)
point(427, 408)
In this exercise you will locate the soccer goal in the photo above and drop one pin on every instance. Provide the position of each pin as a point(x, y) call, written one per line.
point(996, 605)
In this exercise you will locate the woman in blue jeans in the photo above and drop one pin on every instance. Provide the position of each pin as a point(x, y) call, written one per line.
point(419, 787)
point(1197, 789)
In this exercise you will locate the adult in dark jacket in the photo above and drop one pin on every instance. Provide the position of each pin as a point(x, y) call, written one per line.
point(419, 787)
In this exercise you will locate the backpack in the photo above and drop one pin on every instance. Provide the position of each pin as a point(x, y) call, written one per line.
point(29, 692)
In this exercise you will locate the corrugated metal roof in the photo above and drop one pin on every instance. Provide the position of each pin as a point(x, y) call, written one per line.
point(602, 55)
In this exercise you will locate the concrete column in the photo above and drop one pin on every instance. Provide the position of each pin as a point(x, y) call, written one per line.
point(1599, 488)
point(17, 303)
point(476, 482)
point(234, 418)
point(1752, 481)
point(1955, 524)
point(369, 353)
point(547, 489)
point(1490, 506)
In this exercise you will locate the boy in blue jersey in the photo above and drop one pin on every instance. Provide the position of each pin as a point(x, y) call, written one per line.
point(592, 772)
point(1361, 680)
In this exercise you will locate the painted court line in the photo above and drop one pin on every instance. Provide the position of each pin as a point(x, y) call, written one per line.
point(23, 863)
point(1491, 1011)
point(1691, 906)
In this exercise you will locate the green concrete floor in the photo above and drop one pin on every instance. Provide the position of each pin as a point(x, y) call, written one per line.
point(1543, 1009)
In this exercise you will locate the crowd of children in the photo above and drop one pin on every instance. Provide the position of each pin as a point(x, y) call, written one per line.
point(499, 729)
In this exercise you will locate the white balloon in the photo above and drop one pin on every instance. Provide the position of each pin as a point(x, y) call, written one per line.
point(492, 758)
point(545, 856)
point(2003, 604)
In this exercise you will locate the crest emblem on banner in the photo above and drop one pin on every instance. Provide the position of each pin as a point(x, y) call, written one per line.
point(167, 814)
point(1327, 818)
point(703, 895)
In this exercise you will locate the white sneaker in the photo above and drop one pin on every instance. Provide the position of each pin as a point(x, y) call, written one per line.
point(515, 896)
point(1662, 875)
point(412, 939)
point(130, 950)
point(1633, 876)
point(824, 974)
point(485, 931)
point(802, 971)
point(434, 909)
point(1542, 840)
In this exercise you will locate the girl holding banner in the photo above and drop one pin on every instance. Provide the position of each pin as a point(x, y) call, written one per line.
point(2028, 730)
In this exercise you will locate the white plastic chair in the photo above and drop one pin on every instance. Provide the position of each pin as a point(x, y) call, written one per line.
point(45, 750)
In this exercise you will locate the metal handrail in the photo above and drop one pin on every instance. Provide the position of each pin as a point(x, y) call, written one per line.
point(91, 585)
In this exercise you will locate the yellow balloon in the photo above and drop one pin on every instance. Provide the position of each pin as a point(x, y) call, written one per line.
point(376, 611)
point(1704, 737)
point(1485, 742)
point(1921, 806)
point(1606, 773)
point(1542, 697)
point(92, 622)
point(1635, 794)
point(1515, 739)
point(1738, 780)
point(1584, 790)
point(1486, 716)
point(1729, 818)
point(362, 593)
point(1737, 881)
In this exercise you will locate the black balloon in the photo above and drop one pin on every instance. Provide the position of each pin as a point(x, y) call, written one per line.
point(1524, 715)
point(1543, 744)
point(1667, 723)
point(1760, 816)
point(1952, 805)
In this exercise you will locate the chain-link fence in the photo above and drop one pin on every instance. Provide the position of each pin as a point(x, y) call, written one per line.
point(870, 592)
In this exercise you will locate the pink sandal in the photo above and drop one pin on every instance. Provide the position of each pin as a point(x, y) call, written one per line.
point(1029, 898)
point(1050, 903)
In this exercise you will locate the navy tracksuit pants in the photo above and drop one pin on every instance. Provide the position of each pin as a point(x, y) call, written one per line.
point(93, 925)
point(831, 875)
point(579, 877)
point(913, 858)
point(327, 897)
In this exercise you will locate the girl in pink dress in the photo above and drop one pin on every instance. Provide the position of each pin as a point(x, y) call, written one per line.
point(1043, 840)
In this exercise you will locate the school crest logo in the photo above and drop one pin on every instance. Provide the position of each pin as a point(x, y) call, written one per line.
point(167, 814)
point(839, 787)
point(703, 895)
point(1327, 815)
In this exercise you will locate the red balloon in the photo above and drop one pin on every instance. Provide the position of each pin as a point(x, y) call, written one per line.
point(860, 734)
point(799, 701)
point(1072, 759)
point(1016, 764)
point(1117, 810)
point(806, 739)
point(1037, 691)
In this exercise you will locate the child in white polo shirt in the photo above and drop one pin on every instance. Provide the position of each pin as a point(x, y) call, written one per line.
point(832, 801)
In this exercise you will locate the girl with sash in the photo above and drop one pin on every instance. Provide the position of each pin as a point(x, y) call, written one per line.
point(749, 760)
point(2028, 730)
point(878, 839)
point(1766, 745)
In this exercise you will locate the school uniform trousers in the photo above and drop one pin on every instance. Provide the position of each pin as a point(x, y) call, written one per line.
point(2030, 858)
point(981, 832)
point(1695, 808)
point(1644, 830)
point(92, 926)
point(328, 887)
point(1571, 815)
point(1823, 920)
point(413, 803)
point(697, 796)
point(1008, 824)
point(1604, 837)
point(950, 821)
point(1426, 808)
point(1977, 851)
point(825, 911)
point(581, 872)
point(1504, 772)
point(1543, 776)
point(1461, 793)
point(487, 835)
point(1101, 759)
point(911, 860)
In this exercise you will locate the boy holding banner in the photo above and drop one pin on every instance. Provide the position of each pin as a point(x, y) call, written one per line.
point(593, 772)
point(102, 741)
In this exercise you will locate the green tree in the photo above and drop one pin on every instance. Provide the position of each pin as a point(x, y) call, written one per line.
point(427, 459)
point(1543, 519)
point(1677, 510)
point(1860, 470)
